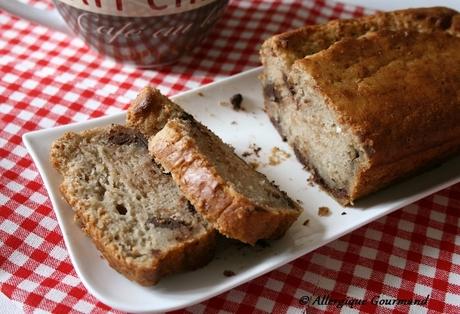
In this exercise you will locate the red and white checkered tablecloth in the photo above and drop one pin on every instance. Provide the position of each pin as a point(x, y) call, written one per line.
point(48, 79)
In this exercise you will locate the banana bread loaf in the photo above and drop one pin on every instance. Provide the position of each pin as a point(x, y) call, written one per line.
point(361, 112)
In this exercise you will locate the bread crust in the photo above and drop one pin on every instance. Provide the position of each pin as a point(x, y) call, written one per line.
point(189, 254)
point(232, 213)
point(307, 40)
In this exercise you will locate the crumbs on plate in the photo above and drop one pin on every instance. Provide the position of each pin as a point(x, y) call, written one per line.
point(229, 273)
point(253, 150)
point(277, 156)
point(236, 101)
point(324, 211)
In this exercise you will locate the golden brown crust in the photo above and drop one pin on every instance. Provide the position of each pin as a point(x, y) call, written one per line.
point(296, 44)
point(230, 212)
point(150, 111)
point(188, 254)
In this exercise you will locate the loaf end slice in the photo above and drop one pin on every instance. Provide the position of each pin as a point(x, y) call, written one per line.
point(237, 200)
point(133, 212)
point(150, 111)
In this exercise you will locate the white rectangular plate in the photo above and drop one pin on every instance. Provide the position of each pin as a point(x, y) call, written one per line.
point(252, 126)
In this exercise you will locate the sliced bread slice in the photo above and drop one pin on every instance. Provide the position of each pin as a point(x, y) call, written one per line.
point(134, 213)
point(238, 201)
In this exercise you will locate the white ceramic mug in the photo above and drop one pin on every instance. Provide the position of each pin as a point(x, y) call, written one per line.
point(146, 33)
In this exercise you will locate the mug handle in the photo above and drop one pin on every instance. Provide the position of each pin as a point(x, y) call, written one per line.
point(50, 19)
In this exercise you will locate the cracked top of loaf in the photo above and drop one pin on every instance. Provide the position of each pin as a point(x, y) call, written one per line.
point(310, 39)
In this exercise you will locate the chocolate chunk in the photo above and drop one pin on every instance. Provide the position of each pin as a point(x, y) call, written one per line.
point(168, 223)
point(236, 101)
point(124, 138)
point(271, 93)
point(191, 208)
point(121, 209)
point(229, 273)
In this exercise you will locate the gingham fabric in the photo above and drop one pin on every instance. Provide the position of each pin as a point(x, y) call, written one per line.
point(48, 79)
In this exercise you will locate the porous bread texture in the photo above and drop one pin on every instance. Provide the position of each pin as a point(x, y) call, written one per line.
point(376, 108)
point(237, 200)
point(133, 212)
point(311, 126)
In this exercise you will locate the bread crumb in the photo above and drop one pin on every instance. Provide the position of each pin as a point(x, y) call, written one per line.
point(306, 222)
point(254, 164)
point(253, 149)
point(229, 273)
point(256, 149)
point(236, 101)
point(200, 94)
point(324, 211)
point(311, 181)
point(277, 156)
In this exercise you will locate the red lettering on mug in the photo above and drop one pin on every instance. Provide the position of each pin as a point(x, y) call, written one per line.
point(120, 5)
point(154, 6)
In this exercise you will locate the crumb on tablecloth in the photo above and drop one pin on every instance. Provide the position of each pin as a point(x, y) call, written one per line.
point(306, 222)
